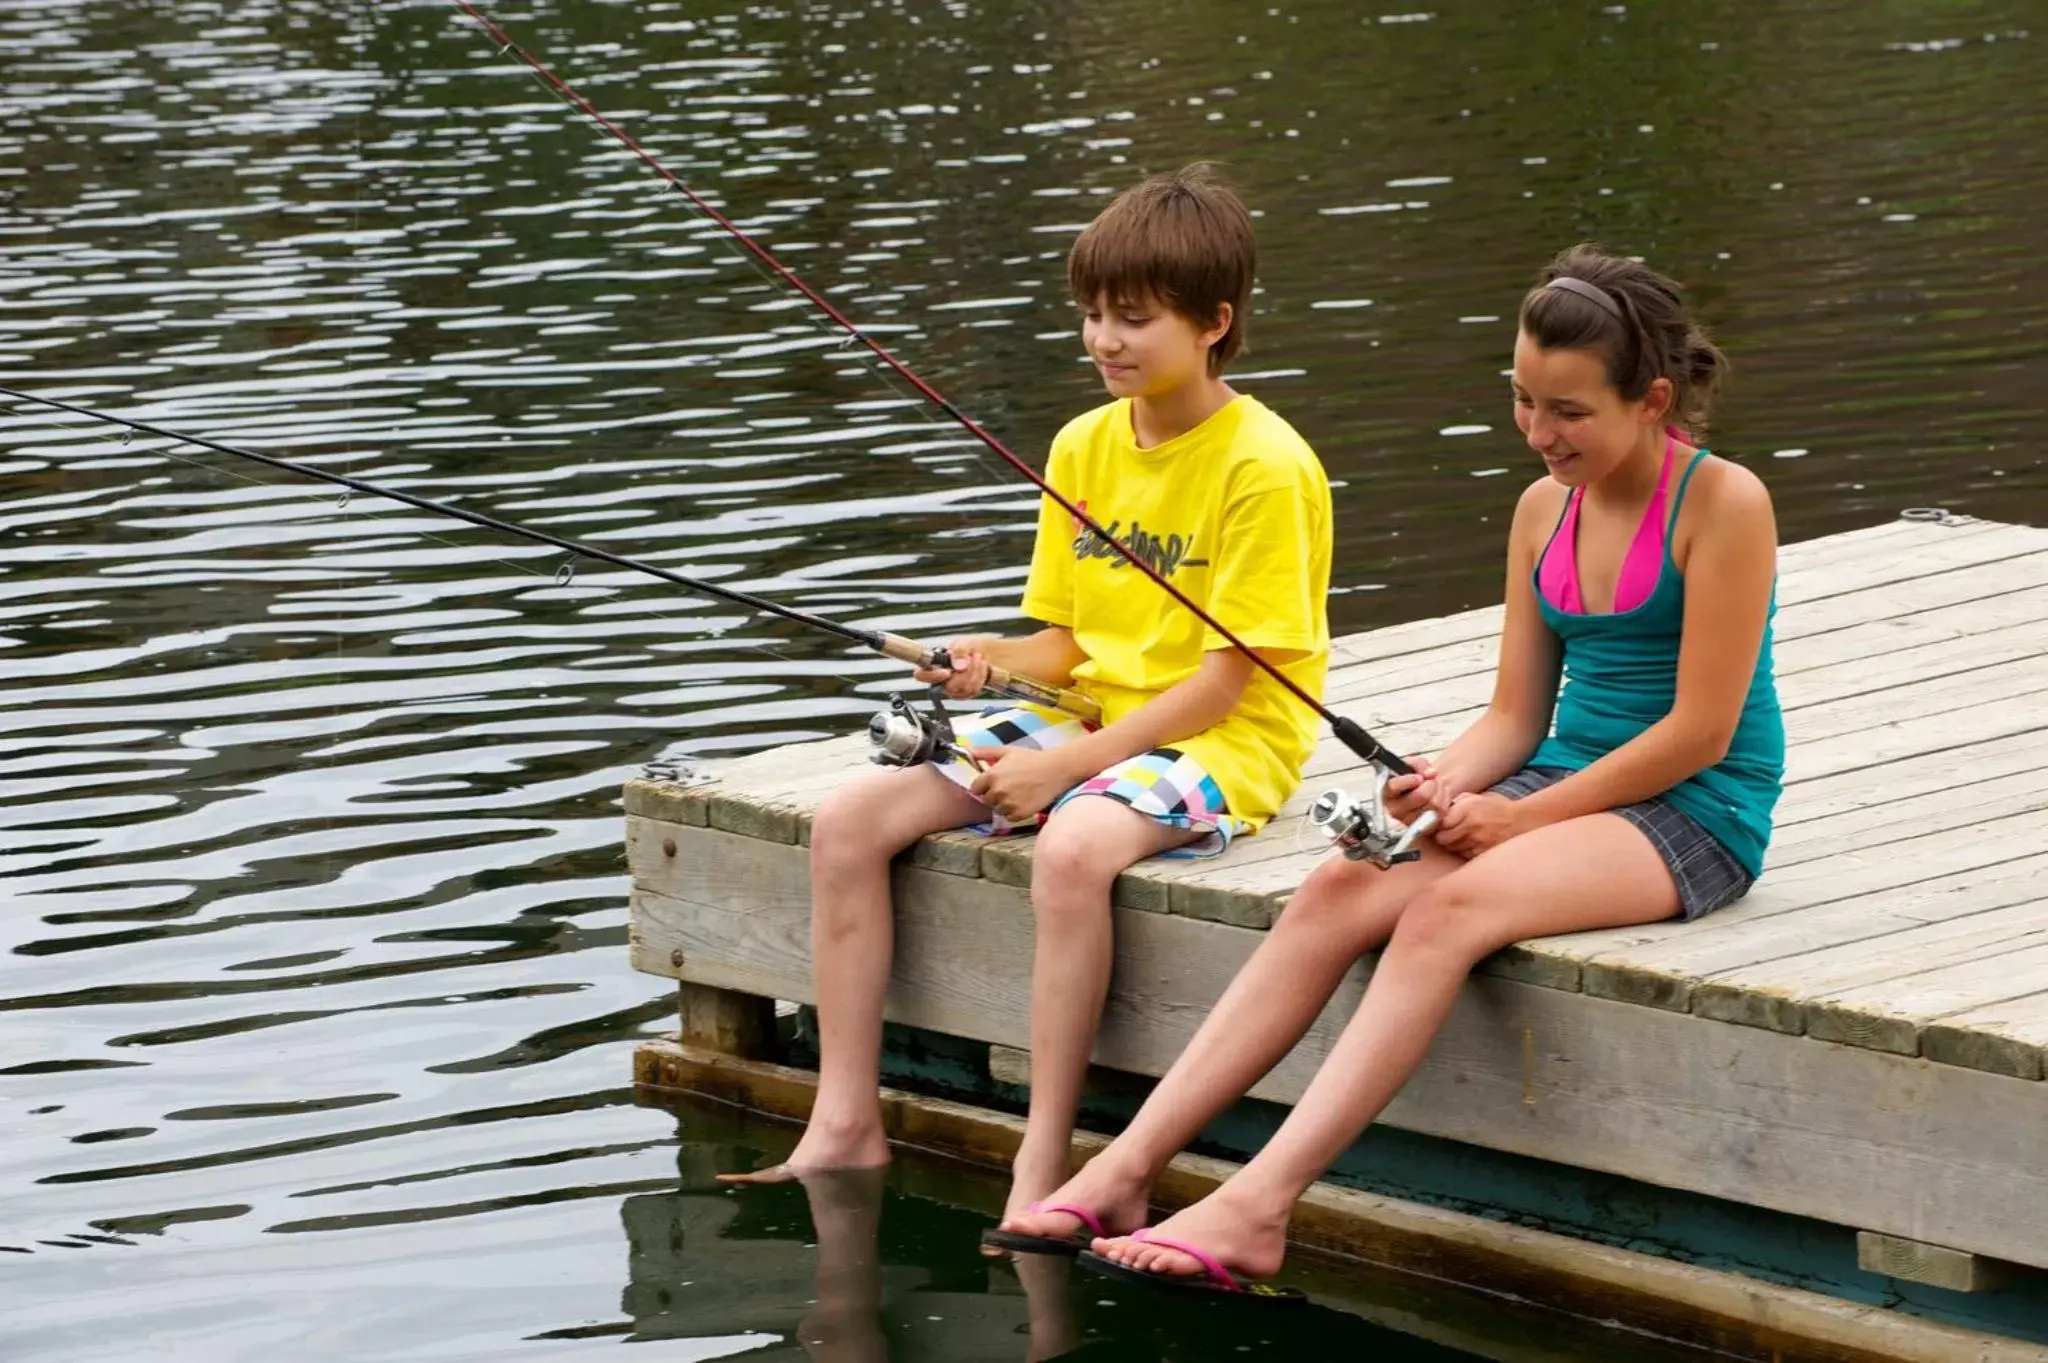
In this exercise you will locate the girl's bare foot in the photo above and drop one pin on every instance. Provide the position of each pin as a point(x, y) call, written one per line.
point(1116, 1196)
point(1246, 1236)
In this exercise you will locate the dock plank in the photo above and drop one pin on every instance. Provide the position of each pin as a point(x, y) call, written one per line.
point(2006, 1038)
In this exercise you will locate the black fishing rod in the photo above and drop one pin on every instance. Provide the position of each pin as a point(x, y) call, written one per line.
point(1010, 684)
point(1349, 732)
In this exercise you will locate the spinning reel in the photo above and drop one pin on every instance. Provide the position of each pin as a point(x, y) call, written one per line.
point(903, 736)
point(1364, 830)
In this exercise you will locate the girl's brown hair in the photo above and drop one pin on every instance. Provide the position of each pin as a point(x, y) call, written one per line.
point(1183, 239)
point(1647, 335)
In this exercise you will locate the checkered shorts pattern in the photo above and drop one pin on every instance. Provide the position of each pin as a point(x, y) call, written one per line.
point(1164, 784)
point(1707, 875)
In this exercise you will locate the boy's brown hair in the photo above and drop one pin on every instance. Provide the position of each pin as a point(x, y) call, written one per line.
point(1183, 239)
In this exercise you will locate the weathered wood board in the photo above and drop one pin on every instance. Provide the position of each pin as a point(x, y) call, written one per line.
point(1930, 1152)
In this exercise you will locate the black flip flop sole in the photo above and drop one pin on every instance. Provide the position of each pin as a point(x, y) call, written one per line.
point(1265, 1294)
point(1017, 1242)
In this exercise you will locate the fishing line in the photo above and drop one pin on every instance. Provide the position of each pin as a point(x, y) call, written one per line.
point(366, 508)
point(894, 646)
point(1348, 731)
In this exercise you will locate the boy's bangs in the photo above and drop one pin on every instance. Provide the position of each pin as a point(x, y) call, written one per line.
point(1181, 241)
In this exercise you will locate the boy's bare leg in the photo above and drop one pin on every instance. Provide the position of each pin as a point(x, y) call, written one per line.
point(1342, 910)
point(855, 833)
point(1081, 851)
point(1593, 872)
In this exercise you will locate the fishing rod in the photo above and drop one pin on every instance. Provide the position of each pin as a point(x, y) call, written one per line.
point(902, 735)
point(1361, 828)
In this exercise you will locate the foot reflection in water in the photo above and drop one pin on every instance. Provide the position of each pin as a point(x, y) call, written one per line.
point(867, 1265)
point(846, 1213)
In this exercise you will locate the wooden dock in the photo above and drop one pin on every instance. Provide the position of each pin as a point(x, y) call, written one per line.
point(1861, 1041)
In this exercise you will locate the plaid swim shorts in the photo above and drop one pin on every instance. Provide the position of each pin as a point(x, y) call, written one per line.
point(1165, 784)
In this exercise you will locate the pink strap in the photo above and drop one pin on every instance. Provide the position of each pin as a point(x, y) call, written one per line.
point(1211, 1265)
point(1081, 1214)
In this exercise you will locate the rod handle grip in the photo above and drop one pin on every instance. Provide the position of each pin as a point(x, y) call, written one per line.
point(1001, 681)
point(1353, 736)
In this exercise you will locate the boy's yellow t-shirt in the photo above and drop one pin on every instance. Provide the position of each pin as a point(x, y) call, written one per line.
point(1236, 514)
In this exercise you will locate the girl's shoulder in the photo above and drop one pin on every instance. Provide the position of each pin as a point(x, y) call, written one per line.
point(1537, 510)
point(1723, 497)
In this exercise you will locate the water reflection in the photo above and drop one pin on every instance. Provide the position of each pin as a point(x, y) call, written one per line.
point(314, 981)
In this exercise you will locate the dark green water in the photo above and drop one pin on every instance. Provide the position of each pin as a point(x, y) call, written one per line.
point(314, 1009)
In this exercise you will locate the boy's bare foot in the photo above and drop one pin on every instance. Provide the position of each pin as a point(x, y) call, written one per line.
point(825, 1144)
point(1248, 1238)
point(1117, 1197)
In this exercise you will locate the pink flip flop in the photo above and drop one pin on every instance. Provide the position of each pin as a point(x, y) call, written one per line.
point(1019, 1242)
point(1216, 1280)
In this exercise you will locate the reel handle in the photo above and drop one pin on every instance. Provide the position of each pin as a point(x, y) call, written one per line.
point(1001, 681)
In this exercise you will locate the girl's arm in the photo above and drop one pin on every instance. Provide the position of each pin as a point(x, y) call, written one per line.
point(1728, 576)
point(1525, 680)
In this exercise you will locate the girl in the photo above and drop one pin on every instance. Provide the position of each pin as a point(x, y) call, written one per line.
point(1643, 568)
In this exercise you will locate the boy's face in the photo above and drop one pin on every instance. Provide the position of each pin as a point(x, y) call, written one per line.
point(1144, 349)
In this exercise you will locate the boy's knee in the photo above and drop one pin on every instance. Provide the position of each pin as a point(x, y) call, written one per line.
point(846, 830)
point(1071, 873)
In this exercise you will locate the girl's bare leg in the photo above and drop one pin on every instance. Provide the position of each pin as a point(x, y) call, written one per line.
point(1594, 872)
point(857, 831)
point(1342, 910)
point(1081, 851)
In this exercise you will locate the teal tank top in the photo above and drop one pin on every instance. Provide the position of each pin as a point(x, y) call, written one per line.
point(1621, 676)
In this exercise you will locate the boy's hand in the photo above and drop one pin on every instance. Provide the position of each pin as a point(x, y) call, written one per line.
point(1018, 782)
point(1477, 822)
point(969, 673)
point(1410, 797)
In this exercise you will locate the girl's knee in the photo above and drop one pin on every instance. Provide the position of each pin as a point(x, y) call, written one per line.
point(1341, 893)
point(1446, 918)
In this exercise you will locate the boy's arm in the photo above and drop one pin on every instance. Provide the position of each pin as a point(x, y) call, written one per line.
point(1022, 781)
point(1181, 711)
point(1050, 655)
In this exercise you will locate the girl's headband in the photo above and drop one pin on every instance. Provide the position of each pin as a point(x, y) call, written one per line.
point(1585, 290)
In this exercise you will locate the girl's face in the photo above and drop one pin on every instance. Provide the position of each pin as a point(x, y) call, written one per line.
point(1144, 349)
point(1573, 416)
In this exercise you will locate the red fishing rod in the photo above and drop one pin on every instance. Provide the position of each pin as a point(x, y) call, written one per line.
point(1349, 732)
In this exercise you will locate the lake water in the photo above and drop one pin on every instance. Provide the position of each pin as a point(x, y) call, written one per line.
point(315, 1017)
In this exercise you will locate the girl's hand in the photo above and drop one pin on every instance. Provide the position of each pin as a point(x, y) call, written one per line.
point(1410, 797)
point(969, 673)
point(1476, 822)
point(1019, 782)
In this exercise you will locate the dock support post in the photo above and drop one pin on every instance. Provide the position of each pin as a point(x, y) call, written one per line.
point(720, 1020)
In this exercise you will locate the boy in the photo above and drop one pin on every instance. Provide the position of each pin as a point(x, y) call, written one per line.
point(1195, 745)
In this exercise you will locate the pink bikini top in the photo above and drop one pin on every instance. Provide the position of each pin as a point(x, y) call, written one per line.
point(1557, 576)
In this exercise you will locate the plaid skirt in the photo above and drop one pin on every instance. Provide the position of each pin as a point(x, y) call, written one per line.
point(1165, 784)
point(1707, 875)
